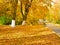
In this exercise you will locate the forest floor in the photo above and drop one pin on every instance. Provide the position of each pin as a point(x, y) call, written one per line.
point(28, 35)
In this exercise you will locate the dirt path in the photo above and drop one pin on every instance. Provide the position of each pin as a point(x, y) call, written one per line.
point(54, 27)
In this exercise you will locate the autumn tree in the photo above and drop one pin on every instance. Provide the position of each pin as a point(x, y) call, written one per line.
point(36, 8)
point(53, 15)
point(14, 7)
point(25, 6)
point(39, 9)
point(24, 12)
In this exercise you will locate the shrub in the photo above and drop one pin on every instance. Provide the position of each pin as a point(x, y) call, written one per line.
point(5, 20)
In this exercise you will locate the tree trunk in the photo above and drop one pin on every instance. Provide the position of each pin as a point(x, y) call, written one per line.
point(14, 6)
point(26, 11)
point(13, 23)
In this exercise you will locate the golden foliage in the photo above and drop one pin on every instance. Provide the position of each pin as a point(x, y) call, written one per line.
point(38, 10)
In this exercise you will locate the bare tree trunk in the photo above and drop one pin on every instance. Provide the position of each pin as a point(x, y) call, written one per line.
point(14, 6)
point(26, 11)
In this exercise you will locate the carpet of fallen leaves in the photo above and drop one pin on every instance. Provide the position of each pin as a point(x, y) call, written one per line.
point(28, 35)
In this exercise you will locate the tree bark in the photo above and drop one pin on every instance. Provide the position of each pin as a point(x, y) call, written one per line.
point(27, 7)
point(14, 6)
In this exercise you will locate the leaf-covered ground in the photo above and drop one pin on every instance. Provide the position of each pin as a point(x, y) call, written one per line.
point(28, 35)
